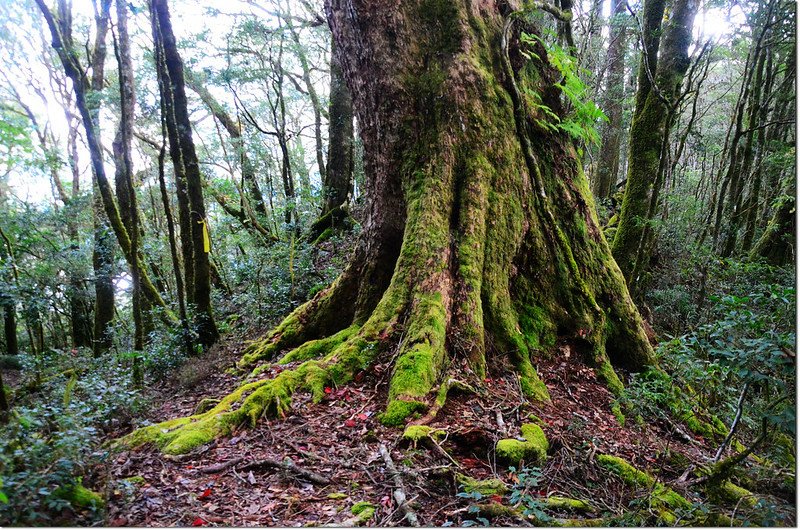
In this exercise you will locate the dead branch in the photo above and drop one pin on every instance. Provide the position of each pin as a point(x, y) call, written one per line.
point(399, 491)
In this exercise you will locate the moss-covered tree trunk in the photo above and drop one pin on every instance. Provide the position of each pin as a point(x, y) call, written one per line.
point(8, 302)
point(59, 26)
point(126, 190)
point(169, 67)
point(338, 179)
point(659, 87)
point(480, 243)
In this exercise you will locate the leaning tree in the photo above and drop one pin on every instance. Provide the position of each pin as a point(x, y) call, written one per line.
point(481, 243)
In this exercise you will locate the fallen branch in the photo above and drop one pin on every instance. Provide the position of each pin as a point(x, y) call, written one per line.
point(216, 468)
point(286, 465)
point(737, 417)
point(399, 491)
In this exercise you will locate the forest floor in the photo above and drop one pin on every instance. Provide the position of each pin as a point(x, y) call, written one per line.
point(334, 448)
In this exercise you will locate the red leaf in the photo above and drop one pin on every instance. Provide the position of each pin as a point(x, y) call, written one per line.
point(328, 390)
point(362, 416)
point(350, 423)
point(496, 498)
point(206, 493)
point(198, 522)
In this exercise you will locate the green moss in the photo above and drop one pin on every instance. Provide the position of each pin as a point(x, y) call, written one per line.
point(607, 374)
point(314, 349)
point(533, 387)
point(565, 503)
point(616, 410)
point(136, 479)
point(415, 433)
point(485, 487)
point(364, 510)
point(730, 493)
point(337, 495)
point(324, 236)
point(533, 450)
point(205, 405)
point(79, 496)
point(398, 410)
point(662, 497)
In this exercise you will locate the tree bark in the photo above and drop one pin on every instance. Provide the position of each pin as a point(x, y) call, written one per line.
point(655, 99)
point(126, 191)
point(64, 47)
point(477, 237)
point(338, 183)
point(608, 165)
point(169, 67)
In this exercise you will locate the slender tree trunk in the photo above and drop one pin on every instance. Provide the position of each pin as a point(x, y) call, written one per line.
point(173, 247)
point(312, 94)
point(650, 128)
point(63, 45)
point(248, 169)
point(126, 191)
point(608, 165)
point(184, 158)
point(7, 301)
point(338, 183)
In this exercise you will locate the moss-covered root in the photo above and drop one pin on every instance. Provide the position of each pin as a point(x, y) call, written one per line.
point(665, 501)
point(421, 433)
point(256, 399)
point(532, 449)
point(328, 312)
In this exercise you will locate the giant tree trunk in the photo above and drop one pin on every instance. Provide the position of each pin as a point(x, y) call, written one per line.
point(480, 242)
point(169, 67)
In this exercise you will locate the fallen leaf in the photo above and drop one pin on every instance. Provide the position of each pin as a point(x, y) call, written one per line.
point(198, 522)
point(350, 423)
point(206, 493)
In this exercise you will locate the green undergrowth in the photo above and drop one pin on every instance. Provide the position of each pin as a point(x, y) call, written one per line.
point(66, 403)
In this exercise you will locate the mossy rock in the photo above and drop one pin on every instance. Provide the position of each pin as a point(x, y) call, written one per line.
point(79, 496)
point(533, 450)
point(492, 486)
